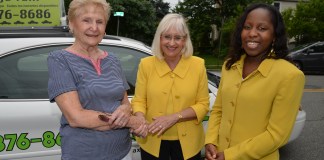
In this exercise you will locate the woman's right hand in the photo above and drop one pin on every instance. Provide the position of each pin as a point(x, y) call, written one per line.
point(211, 151)
point(141, 131)
point(139, 125)
point(120, 117)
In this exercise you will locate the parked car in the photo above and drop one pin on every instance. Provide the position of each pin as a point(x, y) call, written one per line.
point(309, 57)
point(29, 123)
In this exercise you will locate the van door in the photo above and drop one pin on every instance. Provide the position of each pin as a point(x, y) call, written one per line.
point(314, 59)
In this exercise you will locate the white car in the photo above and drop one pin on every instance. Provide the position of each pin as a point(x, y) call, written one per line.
point(29, 123)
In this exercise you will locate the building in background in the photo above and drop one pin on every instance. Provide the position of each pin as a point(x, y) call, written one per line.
point(285, 4)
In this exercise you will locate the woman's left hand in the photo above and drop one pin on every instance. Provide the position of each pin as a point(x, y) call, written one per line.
point(162, 123)
point(220, 156)
point(120, 117)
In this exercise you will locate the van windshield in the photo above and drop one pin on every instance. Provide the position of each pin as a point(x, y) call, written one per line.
point(300, 47)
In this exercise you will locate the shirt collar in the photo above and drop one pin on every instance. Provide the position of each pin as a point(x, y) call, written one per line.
point(264, 68)
point(180, 70)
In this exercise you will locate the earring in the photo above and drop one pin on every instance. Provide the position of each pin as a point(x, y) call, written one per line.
point(272, 52)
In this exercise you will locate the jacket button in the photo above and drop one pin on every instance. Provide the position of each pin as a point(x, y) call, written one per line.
point(177, 97)
point(183, 134)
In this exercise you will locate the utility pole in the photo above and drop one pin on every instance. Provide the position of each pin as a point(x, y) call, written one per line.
point(117, 25)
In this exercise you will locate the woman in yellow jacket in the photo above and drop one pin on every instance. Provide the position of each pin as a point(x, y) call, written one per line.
point(259, 94)
point(172, 95)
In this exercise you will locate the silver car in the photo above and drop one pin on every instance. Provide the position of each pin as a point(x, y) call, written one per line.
point(29, 123)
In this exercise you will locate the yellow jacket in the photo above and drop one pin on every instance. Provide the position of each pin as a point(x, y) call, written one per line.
point(188, 86)
point(253, 117)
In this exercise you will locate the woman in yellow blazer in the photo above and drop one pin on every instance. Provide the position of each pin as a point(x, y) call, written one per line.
point(172, 95)
point(259, 94)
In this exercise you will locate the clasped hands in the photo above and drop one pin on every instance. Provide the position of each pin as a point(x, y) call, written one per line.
point(137, 123)
point(119, 118)
point(157, 126)
point(212, 153)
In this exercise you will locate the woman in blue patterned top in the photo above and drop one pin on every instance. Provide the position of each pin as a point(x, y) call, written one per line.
point(86, 82)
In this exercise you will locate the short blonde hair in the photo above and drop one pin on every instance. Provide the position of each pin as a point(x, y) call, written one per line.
point(177, 21)
point(75, 5)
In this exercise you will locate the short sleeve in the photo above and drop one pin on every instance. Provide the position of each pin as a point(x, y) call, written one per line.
point(60, 75)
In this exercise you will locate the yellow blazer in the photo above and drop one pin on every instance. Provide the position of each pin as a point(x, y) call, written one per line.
point(253, 117)
point(188, 86)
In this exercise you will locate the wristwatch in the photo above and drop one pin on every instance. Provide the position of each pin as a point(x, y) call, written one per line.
point(179, 116)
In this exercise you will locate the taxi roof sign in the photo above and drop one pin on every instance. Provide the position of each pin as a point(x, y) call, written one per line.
point(40, 13)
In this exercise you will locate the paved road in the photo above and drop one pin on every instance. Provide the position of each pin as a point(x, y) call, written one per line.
point(310, 144)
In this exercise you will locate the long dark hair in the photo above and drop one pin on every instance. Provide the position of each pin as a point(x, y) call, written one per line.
point(280, 46)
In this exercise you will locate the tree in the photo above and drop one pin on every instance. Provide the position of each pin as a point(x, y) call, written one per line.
point(161, 8)
point(203, 14)
point(306, 22)
point(66, 5)
point(229, 11)
point(138, 21)
point(140, 18)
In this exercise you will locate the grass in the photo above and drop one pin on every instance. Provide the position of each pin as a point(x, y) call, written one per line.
point(212, 62)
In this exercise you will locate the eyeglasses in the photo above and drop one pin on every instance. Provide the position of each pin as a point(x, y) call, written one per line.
point(176, 38)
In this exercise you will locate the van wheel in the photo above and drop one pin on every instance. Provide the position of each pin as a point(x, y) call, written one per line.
point(298, 65)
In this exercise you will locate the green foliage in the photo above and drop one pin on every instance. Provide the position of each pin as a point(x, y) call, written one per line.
point(66, 4)
point(287, 16)
point(212, 62)
point(161, 8)
point(226, 35)
point(202, 14)
point(138, 21)
point(306, 22)
point(140, 18)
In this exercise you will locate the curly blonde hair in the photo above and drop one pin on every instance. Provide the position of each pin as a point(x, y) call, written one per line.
point(75, 5)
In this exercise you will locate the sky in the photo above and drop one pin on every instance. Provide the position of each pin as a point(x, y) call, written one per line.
point(172, 2)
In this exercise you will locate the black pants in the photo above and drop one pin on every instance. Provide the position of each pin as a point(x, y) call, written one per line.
point(169, 150)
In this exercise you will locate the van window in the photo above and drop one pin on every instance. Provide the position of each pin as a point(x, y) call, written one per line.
point(318, 48)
